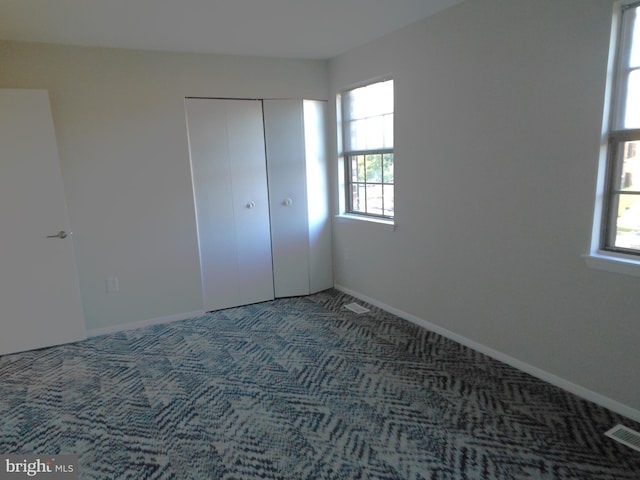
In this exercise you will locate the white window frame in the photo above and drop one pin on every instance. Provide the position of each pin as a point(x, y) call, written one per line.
point(604, 255)
point(346, 211)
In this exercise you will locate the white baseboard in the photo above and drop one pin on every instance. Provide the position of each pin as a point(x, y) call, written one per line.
point(144, 323)
point(578, 390)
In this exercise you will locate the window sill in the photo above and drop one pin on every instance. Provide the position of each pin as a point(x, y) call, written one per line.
point(346, 218)
point(610, 262)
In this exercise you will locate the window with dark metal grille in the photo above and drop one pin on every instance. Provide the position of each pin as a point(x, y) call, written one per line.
point(620, 230)
point(367, 120)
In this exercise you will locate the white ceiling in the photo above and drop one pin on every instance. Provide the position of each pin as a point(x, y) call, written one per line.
point(316, 29)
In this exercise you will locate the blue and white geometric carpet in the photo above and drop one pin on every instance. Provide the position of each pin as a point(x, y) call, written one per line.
point(299, 388)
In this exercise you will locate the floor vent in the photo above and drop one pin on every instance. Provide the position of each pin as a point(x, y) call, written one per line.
point(626, 436)
point(354, 307)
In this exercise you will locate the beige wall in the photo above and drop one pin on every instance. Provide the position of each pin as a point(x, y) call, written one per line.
point(120, 123)
point(498, 114)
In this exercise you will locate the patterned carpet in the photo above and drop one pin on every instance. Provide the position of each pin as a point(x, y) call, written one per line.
point(299, 389)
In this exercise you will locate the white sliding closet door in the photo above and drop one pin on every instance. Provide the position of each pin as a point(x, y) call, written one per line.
point(226, 142)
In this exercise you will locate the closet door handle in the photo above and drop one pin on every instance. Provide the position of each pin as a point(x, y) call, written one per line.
point(250, 205)
point(287, 202)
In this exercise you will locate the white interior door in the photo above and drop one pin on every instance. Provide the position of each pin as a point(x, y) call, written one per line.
point(226, 142)
point(40, 303)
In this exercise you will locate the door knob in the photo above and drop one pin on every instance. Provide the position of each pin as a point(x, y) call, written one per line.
point(250, 205)
point(60, 234)
point(287, 202)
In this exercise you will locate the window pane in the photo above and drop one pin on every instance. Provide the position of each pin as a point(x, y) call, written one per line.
point(385, 96)
point(388, 131)
point(374, 168)
point(628, 222)
point(388, 200)
point(360, 103)
point(375, 133)
point(371, 100)
point(632, 102)
point(387, 167)
point(358, 198)
point(357, 135)
point(629, 178)
point(374, 199)
point(357, 168)
point(370, 133)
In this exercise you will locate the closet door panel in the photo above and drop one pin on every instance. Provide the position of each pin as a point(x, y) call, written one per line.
point(317, 171)
point(250, 199)
point(211, 172)
point(284, 132)
point(226, 144)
